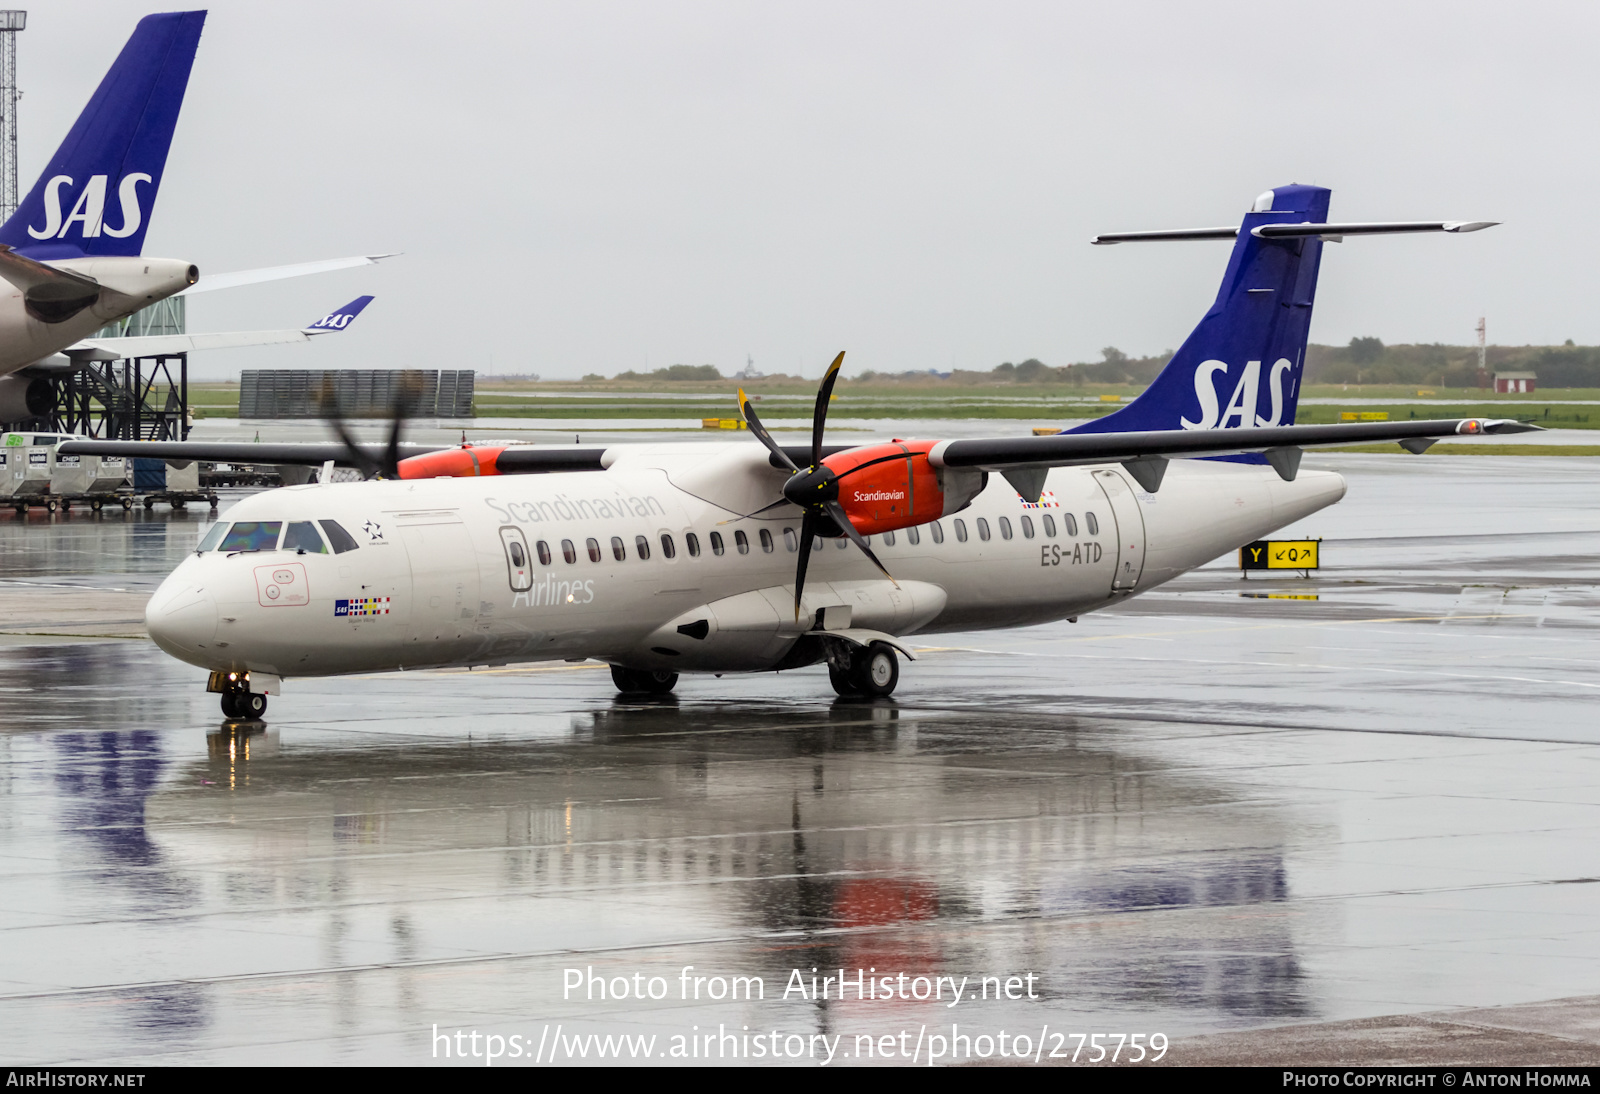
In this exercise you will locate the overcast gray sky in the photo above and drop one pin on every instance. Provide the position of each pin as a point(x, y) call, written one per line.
point(591, 187)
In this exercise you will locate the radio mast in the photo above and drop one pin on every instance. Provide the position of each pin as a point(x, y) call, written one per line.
point(11, 24)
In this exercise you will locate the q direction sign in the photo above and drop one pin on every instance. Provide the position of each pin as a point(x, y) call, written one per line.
point(1279, 554)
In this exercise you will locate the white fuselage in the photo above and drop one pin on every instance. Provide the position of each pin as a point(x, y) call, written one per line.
point(435, 580)
point(126, 285)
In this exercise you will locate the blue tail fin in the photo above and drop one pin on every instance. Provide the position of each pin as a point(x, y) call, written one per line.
point(115, 152)
point(1241, 366)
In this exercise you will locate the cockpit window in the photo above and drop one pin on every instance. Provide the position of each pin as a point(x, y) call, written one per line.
point(213, 537)
point(252, 535)
point(342, 541)
point(302, 536)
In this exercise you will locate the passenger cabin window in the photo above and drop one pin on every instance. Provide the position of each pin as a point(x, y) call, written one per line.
point(913, 536)
point(667, 549)
point(544, 552)
point(741, 541)
point(569, 551)
point(790, 540)
point(766, 540)
point(342, 541)
point(961, 530)
point(618, 550)
point(594, 549)
point(983, 529)
point(302, 536)
point(717, 547)
point(641, 547)
point(938, 531)
point(1049, 524)
point(252, 535)
point(1027, 526)
point(1091, 523)
point(213, 538)
point(1005, 527)
point(691, 543)
point(1071, 522)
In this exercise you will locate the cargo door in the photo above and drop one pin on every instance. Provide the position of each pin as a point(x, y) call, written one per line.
point(444, 576)
point(1129, 530)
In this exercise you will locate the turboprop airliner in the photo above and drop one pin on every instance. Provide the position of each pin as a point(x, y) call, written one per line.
point(73, 251)
point(752, 556)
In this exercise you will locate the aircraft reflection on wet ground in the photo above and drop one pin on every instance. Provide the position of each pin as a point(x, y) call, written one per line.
point(775, 835)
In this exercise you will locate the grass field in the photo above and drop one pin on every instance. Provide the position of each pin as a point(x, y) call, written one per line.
point(784, 399)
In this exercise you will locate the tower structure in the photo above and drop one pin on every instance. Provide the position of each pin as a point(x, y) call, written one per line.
point(12, 23)
point(1483, 357)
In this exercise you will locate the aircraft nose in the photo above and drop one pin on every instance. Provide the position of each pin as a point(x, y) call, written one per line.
point(182, 619)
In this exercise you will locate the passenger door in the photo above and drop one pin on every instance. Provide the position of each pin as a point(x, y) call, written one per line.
point(1129, 530)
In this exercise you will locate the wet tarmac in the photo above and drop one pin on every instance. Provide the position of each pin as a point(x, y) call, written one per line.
point(1256, 817)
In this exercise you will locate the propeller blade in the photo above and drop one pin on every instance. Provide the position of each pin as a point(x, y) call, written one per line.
point(819, 417)
point(748, 413)
point(406, 394)
point(842, 519)
point(757, 513)
point(358, 455)
point(808, 532)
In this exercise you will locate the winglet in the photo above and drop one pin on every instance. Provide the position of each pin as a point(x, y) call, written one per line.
point(340, 319)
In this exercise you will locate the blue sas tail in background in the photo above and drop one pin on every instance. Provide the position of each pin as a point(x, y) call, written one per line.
point(96, 195)
point(1241, 366)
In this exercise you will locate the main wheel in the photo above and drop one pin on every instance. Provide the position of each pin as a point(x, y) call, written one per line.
point(251, 705)
point(640, 682)
point(875, 670)
point(230, 705)
point(842, 682)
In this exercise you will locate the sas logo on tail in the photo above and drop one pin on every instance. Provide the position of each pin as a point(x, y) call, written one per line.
point(1240, 411)
point(89, 209)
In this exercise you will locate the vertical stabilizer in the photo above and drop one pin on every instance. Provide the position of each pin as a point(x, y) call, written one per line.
point(1241, 366)
point(96, 195)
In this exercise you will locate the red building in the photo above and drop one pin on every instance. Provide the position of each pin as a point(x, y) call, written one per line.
point(1513, 383)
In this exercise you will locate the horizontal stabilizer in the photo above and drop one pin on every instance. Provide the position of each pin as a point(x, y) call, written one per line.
point(1109, 238)
point(1377, 228)
point(212, 282)
point(1299, 231)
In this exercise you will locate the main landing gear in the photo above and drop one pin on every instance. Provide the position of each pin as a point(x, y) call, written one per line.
point(642, 682)
point(870, 672)
point(243, 705)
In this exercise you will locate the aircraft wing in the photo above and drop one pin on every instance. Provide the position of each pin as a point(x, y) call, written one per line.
point(213, 282)
point(155, 345)
point(1144, 454)
point(517, 459)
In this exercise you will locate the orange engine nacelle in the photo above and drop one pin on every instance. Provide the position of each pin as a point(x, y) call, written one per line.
point(452, 463)
point(895, 487)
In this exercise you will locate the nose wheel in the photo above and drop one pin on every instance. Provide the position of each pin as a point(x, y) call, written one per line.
point(871, 672)
point(243, 705)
